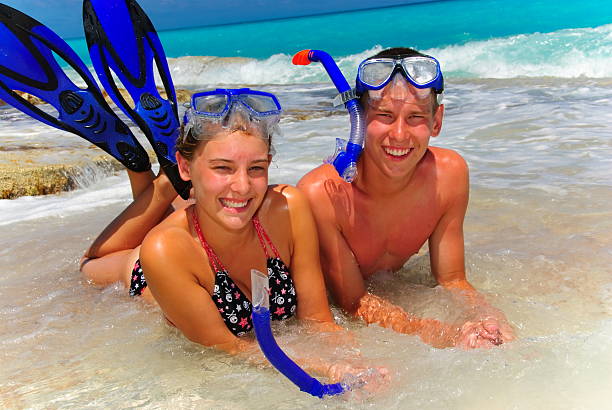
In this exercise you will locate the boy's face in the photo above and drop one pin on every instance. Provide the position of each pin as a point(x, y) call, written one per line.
point(399, 124)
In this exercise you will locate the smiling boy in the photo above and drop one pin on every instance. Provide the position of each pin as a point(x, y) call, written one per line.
point(405, 193)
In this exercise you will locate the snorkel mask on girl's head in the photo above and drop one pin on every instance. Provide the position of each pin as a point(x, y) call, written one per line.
point(422, 72)
point(211, 112)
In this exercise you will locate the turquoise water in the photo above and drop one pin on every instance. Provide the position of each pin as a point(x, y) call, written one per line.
point(471, 38)
point(424, 26)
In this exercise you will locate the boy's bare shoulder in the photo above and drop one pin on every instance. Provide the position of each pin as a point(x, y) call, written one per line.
point(320, 181)
point(448, 160)
point(318, 176)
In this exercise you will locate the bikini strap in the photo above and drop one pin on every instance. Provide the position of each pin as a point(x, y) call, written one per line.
point(212, 256)
point(261, 234)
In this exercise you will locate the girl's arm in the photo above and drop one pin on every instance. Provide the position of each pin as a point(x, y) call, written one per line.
point(128, 230)
point(107, 259)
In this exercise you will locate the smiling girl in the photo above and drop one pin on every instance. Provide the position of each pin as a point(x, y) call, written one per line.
point(196, 262)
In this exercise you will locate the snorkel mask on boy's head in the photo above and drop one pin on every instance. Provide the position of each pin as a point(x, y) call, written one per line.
point(406, 71)
point(211, 112)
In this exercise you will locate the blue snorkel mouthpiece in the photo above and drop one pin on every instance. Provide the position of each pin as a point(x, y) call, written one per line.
point(269, 347)
point(346, 155)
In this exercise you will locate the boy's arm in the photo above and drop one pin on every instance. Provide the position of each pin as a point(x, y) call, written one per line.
point(446, 251)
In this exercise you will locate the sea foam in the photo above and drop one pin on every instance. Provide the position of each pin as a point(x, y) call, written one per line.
point(568, 53)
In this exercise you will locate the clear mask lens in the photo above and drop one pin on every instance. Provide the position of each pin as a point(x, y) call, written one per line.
point(376, 73)
point(421, 70)
point(213, 104)
point(259, 103)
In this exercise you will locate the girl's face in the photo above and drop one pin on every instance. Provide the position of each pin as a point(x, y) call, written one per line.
point(230, 177)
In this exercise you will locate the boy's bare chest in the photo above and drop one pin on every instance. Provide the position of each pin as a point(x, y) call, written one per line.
point(383, 235)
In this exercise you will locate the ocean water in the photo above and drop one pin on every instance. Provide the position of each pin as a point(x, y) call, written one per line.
point(528, 104)
point(426, 25)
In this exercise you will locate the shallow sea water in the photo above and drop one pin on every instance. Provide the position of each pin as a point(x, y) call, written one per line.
point(538, 246)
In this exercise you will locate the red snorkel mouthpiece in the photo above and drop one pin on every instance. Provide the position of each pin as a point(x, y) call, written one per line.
point(302, 58)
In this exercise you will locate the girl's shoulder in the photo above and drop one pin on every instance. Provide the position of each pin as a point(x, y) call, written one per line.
point(164, 237)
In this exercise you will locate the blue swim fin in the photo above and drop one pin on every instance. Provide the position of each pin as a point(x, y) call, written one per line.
point(122, 41)
point(28, 52)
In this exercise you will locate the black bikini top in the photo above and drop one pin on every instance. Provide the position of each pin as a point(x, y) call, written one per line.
point(234, 307)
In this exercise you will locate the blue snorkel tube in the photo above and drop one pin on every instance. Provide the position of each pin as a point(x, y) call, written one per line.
point(269, 347)
point(345, 158)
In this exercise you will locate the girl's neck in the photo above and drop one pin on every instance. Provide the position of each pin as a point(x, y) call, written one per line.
point(219, 236)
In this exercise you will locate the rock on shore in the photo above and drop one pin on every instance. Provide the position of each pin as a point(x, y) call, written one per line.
point(29, 170)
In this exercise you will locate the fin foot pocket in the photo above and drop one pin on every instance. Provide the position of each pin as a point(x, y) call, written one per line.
point(182, 187)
